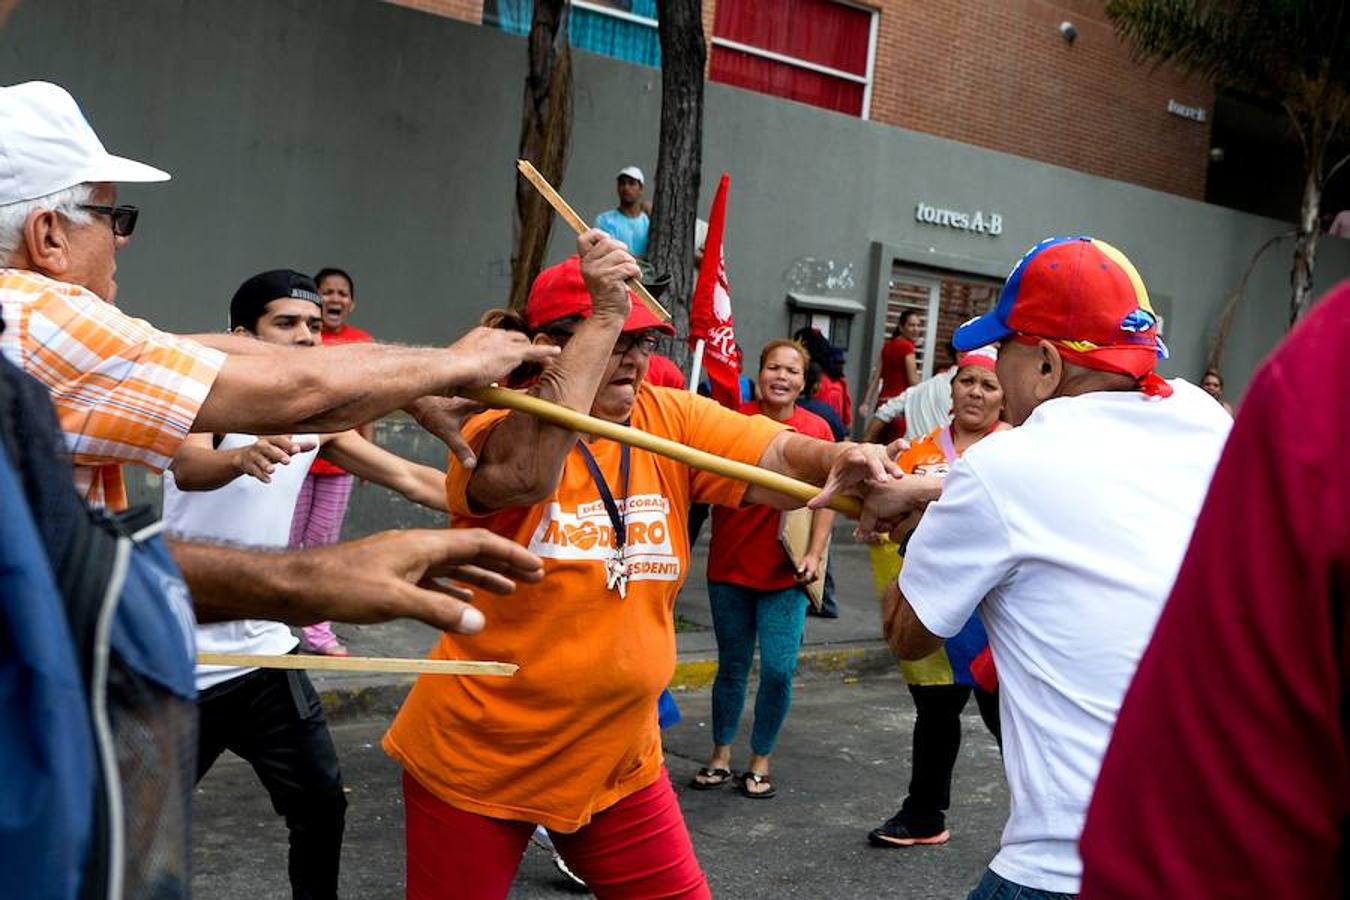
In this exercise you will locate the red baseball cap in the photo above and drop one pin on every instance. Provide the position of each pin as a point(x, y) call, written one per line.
point(1084, 295)
point(560, 293)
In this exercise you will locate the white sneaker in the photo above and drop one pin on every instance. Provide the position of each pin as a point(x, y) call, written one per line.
point(542, 839)
point(561, 865)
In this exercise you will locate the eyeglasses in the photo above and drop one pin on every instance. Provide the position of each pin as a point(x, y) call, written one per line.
point(123, 217)
point(645, 342)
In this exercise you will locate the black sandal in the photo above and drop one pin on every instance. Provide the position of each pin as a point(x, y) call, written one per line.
point(744, 780)
point(722, 776)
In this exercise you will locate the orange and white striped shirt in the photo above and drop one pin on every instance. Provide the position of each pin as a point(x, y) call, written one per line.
point(124, 391)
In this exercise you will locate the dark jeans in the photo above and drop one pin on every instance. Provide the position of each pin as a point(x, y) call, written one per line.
point(740, 616)
point(937, 740)
point(272, 719)
point(996, 887)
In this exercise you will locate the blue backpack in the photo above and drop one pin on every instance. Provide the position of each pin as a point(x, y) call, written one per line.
point(97, 711)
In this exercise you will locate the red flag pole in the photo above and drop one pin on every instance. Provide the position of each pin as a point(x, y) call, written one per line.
point(711, 324)
point(696, 366)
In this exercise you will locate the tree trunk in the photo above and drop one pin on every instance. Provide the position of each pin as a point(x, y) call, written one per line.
point(679, 159)
point(545, 133)
point(1305, 248)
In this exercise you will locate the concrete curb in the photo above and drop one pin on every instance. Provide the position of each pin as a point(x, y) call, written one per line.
point(350, 698)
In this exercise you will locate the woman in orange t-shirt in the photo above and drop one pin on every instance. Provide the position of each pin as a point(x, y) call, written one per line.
point(571, 741)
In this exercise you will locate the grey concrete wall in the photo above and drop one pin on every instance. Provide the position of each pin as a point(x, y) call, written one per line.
point(355, 133)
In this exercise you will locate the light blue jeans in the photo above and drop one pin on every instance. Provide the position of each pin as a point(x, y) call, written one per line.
point(995, 887)
point(740, 615)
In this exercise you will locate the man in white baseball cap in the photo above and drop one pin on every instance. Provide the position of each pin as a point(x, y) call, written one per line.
point(629, 222)
point(51, 159)
point(125, 392)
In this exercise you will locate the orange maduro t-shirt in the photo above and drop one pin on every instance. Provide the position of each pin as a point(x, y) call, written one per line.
point(574, 731)
point(927, 456)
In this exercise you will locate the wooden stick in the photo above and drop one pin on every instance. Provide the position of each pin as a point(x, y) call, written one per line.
point(360, 664)
point(698, 459)
point(579, 225)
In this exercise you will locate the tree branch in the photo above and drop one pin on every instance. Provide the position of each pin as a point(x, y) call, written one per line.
point(1335, 167)
point(1217, 347)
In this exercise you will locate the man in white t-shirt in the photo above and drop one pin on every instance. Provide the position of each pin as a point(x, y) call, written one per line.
point(272, 718)
point(1065, 533)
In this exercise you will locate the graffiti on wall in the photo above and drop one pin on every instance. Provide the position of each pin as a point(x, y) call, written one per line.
point(825, 277)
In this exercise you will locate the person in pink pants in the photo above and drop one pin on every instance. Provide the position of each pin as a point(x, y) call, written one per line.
point(323, 500)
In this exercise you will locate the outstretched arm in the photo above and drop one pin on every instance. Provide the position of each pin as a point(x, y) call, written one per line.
point(419, 483)
point(838, 466)
point(796, 456)
point(888, 495)
point(197, 466)
point(325, 389)
point(391, 575)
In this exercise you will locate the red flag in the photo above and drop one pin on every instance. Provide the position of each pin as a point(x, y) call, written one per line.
point(710, 318)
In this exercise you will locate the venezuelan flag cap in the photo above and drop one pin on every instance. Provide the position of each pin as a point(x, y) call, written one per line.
point(1082, 294)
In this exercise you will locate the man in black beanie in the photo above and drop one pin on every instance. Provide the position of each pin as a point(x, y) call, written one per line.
point(241, 490)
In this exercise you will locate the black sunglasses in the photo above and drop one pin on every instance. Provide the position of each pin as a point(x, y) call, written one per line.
point(123, 217)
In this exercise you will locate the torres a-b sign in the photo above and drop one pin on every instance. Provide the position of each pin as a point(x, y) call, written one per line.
point(978, 221)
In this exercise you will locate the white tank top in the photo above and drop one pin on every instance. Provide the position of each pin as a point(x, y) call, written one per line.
point(249, 513)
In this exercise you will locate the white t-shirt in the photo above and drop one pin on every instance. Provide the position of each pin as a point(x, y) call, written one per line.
point(926, 406)
point(1066, 534)
point(245, 512)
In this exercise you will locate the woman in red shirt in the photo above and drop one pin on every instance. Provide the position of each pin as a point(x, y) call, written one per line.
point(756, 591)
point(899, 365)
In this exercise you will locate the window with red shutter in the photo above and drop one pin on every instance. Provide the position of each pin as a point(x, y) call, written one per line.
point(814, 51)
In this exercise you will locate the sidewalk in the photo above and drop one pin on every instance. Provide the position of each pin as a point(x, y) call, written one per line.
point(845, 646)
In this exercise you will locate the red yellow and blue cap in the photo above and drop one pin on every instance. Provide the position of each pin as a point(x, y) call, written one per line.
point(1087, 298)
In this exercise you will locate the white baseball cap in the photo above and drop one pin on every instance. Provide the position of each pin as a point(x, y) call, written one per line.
point(46, 145)
point(632, 172)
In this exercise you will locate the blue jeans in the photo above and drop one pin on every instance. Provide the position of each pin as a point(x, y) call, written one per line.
point(739, 616)
point(996, 887)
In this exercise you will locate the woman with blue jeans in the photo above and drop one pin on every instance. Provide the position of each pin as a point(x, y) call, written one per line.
point(757, 595)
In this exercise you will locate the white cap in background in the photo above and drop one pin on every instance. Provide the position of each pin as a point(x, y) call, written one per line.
point(46, 145)
point(632, 172)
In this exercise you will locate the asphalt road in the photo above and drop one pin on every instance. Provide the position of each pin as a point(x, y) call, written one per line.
point(841, 768)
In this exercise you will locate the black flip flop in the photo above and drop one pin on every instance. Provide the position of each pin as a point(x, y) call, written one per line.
point(722, 776)
point(746, 777)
